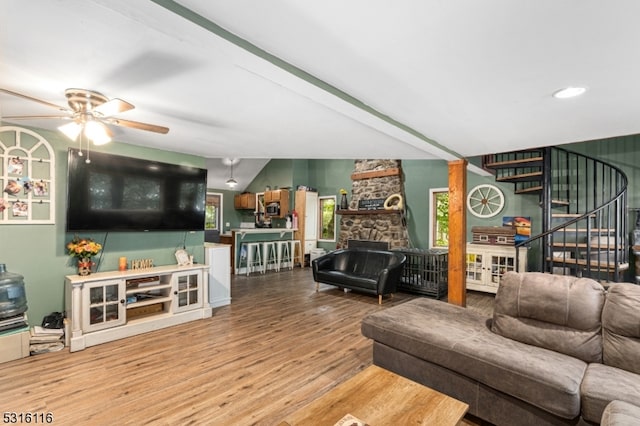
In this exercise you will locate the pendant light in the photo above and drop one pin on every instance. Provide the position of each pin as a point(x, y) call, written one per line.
point(231, 182)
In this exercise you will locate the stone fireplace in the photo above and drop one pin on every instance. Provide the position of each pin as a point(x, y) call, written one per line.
point(374, 180)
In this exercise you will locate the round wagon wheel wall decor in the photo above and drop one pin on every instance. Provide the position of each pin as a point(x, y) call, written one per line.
point(485, 200)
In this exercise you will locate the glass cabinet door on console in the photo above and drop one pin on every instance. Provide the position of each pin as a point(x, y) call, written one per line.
point(487, 263)
point(474, 267)
point(103, 304)
point(187, 291)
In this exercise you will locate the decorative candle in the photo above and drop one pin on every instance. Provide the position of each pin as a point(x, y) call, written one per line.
point(122, 264)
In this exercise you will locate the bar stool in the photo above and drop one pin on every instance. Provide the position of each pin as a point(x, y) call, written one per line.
point(284, 253)
point(296, 244)
point(269, 256)
point(253, 255)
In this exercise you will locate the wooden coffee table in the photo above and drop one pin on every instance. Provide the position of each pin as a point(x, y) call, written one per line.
point(379, 397)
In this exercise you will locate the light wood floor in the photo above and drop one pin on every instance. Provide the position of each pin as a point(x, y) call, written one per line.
point(278, 346)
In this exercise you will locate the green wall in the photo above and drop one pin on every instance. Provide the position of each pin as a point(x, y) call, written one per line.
point(622, 152)
point(229, 213)
point(276, 174)
point(328, 176)
point(38, 251)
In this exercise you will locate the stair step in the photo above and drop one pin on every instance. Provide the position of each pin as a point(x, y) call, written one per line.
point(522, 162)
point(555, 203)
point(523, 177)
point(593, 264)
point(594, 247)
point(530, 190)
point(569, 215)
point(592, 230)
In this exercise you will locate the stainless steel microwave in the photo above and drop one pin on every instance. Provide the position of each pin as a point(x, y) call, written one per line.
point(273, 209)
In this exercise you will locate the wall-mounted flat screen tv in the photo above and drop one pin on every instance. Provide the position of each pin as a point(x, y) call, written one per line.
point(116, 193)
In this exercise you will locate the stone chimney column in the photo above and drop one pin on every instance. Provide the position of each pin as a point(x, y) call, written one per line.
point(374, 180)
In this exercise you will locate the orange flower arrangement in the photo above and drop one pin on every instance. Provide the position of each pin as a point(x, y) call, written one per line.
point(83, 248)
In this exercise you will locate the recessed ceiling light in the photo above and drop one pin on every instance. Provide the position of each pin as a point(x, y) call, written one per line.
point(569, 92)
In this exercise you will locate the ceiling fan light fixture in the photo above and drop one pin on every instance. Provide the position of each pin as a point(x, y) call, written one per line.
point(569, 92)
point(71, 130)
point(97, 132)
point(87, 109)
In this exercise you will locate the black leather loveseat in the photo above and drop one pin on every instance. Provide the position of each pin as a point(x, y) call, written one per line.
point(371, 271)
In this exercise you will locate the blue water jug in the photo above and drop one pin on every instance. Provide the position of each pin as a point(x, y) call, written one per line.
point(13, 300)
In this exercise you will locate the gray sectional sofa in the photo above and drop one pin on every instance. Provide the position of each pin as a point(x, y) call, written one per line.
point(557, 350)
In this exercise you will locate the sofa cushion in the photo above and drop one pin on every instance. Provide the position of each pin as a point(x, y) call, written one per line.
point(339, 278)
point(556, 312)
point(367, 262)
point(620, 413)
point(621, 327)
point(459, 339)
point(603, 384)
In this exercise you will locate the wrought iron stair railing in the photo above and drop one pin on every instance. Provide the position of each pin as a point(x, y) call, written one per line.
point(584, 229)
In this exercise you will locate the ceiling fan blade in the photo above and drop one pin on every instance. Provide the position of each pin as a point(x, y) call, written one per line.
point(138, 125)
point(40, 101)
point(36, 117)
point(114, 106)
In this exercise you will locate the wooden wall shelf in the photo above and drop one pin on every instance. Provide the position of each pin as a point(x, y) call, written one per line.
point(370, 174)
point(369, 212)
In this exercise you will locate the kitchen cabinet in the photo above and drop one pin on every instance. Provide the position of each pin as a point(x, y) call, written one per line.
point(245, 201)
point(273, 196)
point(279, 196)
point(486, 264)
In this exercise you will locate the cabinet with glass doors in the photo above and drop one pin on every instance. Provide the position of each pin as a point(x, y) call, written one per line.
point(486, 264)
point(106, 306)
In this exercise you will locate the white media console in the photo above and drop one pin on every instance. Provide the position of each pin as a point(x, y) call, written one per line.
point(107, 306)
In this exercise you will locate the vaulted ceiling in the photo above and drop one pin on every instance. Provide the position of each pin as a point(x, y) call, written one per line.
point(408, 79)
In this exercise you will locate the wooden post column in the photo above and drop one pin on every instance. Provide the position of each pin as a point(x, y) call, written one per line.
point(457, 232)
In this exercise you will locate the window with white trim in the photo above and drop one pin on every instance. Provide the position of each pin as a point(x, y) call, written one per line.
point(439, 217)
point(327, 222)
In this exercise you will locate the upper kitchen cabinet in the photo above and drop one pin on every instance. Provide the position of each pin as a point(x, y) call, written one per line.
point(276, 203)
point(245, 201)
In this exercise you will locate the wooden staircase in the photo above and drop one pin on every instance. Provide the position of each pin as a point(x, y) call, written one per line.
point(584, 229)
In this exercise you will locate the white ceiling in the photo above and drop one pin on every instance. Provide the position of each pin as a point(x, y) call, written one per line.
point(408, 79)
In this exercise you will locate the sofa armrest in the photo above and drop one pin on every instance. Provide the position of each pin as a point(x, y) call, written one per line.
point(389, 277)
point(326, 262)
point(620, 413)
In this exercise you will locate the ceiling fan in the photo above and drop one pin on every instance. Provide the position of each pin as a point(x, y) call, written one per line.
point(89, 111)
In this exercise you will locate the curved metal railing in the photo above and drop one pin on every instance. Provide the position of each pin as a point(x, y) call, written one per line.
point(584, 224)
